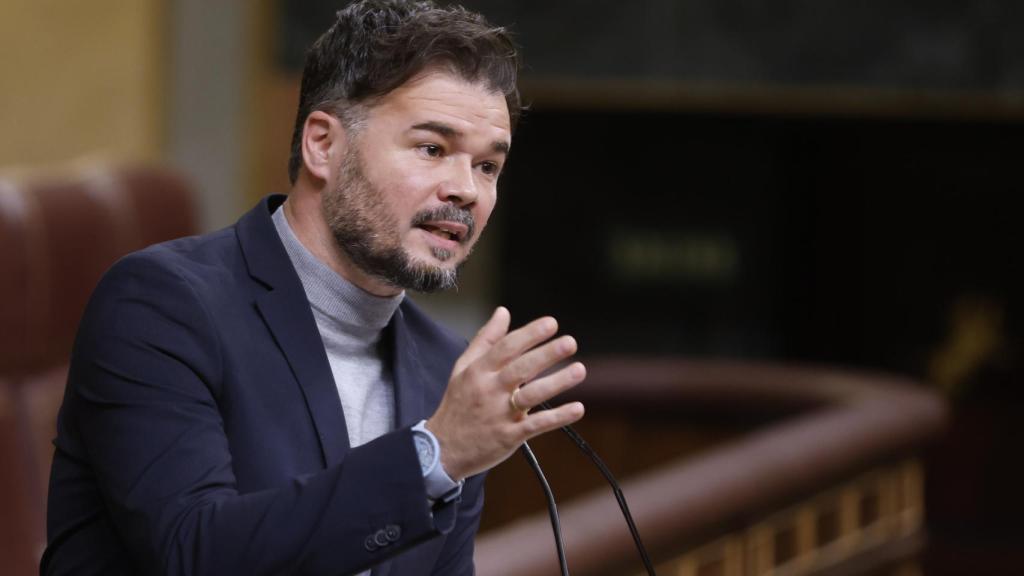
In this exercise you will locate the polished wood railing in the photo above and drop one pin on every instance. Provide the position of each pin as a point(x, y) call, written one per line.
point(831, 484)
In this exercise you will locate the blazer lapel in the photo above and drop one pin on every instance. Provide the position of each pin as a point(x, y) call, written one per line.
point(286, 312)
point(304, 350)
point(409, 375)
point(399, 349)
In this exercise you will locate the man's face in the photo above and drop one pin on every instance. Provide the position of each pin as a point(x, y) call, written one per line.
point(419, 180)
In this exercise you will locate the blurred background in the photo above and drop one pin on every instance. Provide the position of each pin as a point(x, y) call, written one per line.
point(790, 182)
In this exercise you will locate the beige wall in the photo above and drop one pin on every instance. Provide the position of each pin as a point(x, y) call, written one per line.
point(80, 79)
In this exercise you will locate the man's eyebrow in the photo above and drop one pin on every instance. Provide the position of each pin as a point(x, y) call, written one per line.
point(438, 128)
point(499, 146)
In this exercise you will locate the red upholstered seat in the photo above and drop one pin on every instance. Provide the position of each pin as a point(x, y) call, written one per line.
point(58, 234)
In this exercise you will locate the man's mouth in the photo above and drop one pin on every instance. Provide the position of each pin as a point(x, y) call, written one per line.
point(451, 225)
point(448, 230)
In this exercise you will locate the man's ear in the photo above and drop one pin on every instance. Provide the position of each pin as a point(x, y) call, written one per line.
point(323, 138)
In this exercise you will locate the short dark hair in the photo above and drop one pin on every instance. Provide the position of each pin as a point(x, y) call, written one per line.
point(375, 46)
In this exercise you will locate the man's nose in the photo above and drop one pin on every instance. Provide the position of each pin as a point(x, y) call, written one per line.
point(458, 186)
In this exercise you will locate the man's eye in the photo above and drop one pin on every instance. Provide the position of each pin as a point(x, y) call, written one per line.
point(490, 168)
point(432, 150)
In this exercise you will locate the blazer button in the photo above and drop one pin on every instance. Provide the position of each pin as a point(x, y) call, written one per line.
point(370, 544)
point(392, 532)
point(380, 538)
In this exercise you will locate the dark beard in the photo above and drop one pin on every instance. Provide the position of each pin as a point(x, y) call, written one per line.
point(364, 230)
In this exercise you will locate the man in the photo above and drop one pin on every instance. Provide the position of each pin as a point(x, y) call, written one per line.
point(263, 399)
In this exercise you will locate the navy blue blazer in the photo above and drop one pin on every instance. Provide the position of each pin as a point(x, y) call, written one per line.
point(201, 430)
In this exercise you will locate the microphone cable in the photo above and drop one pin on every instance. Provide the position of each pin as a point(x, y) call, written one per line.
point(619, 496)
point(556, 526)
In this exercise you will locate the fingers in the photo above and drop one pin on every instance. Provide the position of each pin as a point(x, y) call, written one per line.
point(529, 365)
point(485, 339)
point(546, 388)
point(518, 341)
point(548, 420)
point(496, 347)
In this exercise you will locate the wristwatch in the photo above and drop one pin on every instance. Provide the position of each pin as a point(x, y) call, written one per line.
point(439, 485)
point(427, 447)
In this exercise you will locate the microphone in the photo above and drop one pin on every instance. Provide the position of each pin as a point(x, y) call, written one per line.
point(609, 477)
point(556, 526)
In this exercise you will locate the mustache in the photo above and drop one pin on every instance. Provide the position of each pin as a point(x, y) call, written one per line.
point(451, 213)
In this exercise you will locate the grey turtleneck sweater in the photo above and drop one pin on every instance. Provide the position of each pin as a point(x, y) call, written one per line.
point(350, 322)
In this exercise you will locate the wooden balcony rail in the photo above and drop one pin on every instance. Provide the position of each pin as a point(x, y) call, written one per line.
point(833, 488)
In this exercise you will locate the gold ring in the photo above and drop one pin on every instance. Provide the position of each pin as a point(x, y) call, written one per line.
point(515, 405)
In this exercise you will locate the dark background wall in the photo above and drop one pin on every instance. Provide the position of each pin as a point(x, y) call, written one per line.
point(840, 240)
point(940, 44)
point(920, 43)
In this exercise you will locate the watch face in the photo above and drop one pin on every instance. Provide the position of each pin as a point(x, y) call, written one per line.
point(425, 450)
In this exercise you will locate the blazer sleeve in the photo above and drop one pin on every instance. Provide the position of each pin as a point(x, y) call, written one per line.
point(144, 385)
point(456, 557)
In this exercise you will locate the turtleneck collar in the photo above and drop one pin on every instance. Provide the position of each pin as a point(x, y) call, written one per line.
point(329, 293)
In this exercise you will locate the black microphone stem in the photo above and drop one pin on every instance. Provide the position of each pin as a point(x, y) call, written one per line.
point(556, 526)
point(619, 496)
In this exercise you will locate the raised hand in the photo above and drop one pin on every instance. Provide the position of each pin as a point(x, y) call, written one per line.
point(483, 416)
